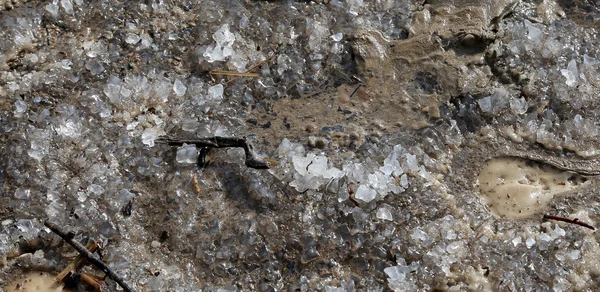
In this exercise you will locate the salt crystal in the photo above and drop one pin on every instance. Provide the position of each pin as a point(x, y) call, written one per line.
point(179, 88)
point(535, 34)
point(456, 247)
point(112, 91)
point(589, 61)
point(530, 242)
point(411, 163)
point(20, 108)
point(395, 273)
point(558, 232)
point(150, 134)
point(365, 194)
point(94, 67)
point(516, 241)
point(418, 234)
point(223, 36)
point(81, 197)
point(189, 125)
point(574, 254)
point(485, 103)
point(318, 166)
point(215, 93)
point(68, 129)
point(450, 234)
point(96, 189)
point(53, 9)
point(570, 73)
point(384, 213)
point(519, 106)
point(132, 38)
point(22, 193)
point(67, 6)
point(187, 154)
point(337, 37)
point(404, 181)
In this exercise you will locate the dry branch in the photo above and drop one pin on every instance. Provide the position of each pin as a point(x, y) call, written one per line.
point(68, 237)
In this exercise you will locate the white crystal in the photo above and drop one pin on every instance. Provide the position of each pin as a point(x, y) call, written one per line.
point(516, 241)
point(187, 154)
point(337, 37)
point(68, 129)
point(456, 247)
point(530, 242)
point(535, 34)
point(190, 125)
point(67, 6)
point(570, 73)
point(384, 213)
point(574, 254)
point(365, 194)
point(22, 193)
point(20, 108)
point(53, 9)
point(150, 134)
point(419, 234)
point(519, 106)
point(179, 88)
point(132, 38)
point(215, 93)
point(96, 189)
point(396, 273)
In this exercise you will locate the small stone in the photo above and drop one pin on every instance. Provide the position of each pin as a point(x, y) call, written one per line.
point(316, 142)
point(155, 244)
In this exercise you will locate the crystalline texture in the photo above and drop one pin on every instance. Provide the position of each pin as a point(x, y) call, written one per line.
point(215, 93)
point(365, 194)
point(570, 73)
point(384, 213)
point(187, 154)
point(179, 88)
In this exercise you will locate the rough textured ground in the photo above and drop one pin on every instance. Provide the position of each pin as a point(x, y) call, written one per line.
point(381, 115)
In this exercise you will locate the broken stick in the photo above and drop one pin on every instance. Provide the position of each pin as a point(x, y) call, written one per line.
point(220, 142)
point(88, 255)
point(572, 221)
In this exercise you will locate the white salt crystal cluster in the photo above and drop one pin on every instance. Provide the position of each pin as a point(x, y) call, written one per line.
point(312, 172)
point(223, 48)
point(401, 276)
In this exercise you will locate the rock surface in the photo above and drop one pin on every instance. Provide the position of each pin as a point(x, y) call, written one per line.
point(381, 115)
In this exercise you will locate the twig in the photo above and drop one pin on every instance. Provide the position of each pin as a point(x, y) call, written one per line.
point(78, 262)
point(220, 142)
point(232, 73)
point(251, 69)
point(355, 90)
point(68, 237)
point(572, 221)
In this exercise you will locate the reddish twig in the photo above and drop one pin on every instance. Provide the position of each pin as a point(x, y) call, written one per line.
point(572, 221)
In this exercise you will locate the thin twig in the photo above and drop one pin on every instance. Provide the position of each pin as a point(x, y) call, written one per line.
point(220, 142)
point(78, 262)
point(233, 73)
point(355, 90)
point(251, 69)
point(88, 255)
point(572, 221)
